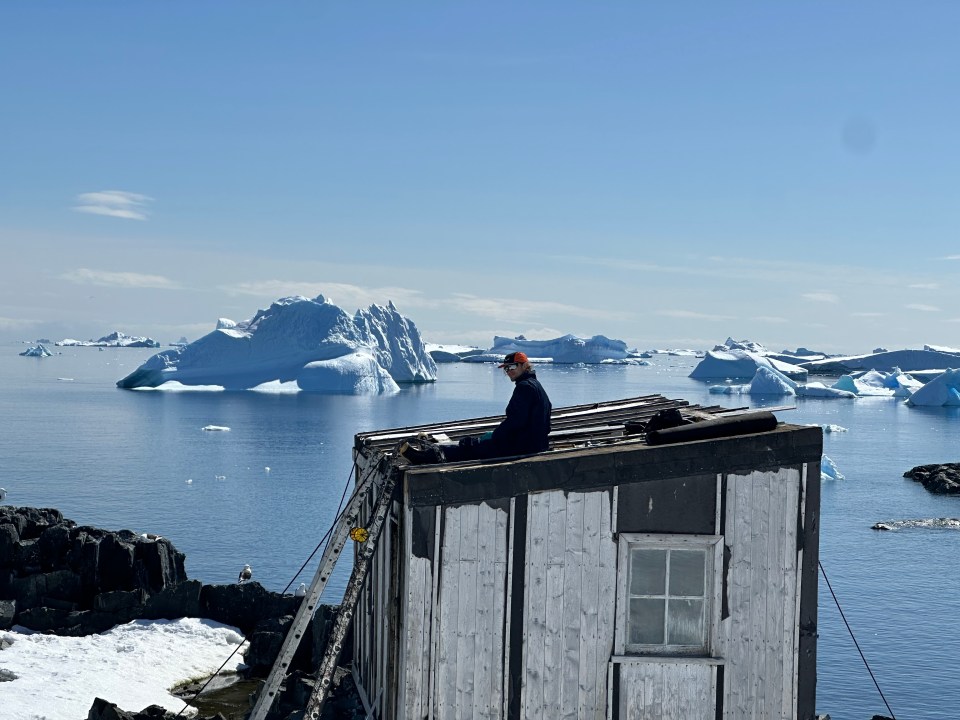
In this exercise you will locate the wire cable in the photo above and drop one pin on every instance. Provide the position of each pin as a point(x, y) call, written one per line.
point(326, 535)
point(850, 630)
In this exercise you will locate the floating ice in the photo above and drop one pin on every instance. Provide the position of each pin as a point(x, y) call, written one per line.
point(718, 365)
point(942, 391)
point(312, 343)
point(216, 428)
point(36, 351)
point(829, 471)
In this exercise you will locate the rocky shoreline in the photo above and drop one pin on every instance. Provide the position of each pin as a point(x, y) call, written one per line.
point(938, 478)
point(62, 578)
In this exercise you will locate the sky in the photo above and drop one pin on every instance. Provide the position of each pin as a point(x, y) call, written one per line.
point(70, 672)
point(667, 174)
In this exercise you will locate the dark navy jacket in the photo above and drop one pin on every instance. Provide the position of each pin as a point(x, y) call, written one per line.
point(525, 429)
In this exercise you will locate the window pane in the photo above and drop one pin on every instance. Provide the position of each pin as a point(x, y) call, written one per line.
point(686, 572)
point(685, 622)
point(646, 621)
point(648, 570)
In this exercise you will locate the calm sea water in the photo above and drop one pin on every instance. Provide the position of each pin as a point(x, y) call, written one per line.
point(121, 459)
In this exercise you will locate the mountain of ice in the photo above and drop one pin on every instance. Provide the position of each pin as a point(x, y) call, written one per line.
point(718, 365)
point(568, 349)
point(114, 339)
point(942, 391)
point(887, 361)
point(312, 344)
point(37, 350)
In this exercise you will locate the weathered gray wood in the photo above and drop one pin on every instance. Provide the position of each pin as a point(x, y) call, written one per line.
point(449, 606)
point(570, 576)
point(535, 601)
point(416, 655)
point(431, 700)
point(758, 640)
point(573, 560)
point(467, 612)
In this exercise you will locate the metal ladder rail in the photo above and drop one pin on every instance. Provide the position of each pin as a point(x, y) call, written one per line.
point(304, 615)
point(347, 606)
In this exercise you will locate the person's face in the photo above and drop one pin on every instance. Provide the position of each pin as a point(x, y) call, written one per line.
point(512, 370)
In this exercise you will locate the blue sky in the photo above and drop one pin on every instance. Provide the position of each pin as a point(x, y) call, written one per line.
point(664, 173)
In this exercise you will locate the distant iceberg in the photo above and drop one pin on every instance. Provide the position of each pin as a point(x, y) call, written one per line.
point(36, 351)
point(451, 353)
point(312, 343)
point(568, 349)
point(732, 364)
point(876, 382)
point(114, 339)
point(886, 361)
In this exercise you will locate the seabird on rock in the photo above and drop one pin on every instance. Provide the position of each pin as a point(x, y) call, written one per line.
point(301, 591)
point(3, 494)
point(245, 574)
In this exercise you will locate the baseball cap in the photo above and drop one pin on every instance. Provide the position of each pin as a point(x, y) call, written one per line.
point(514, 357)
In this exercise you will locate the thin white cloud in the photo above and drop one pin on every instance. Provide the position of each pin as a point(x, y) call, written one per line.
point(114, 203)
point(826, 297)
point(103, 278)
point(866, 314)
point(925, 286)
point(691, 315)
point(769, 319)
point(952, 257)
point(923, 308)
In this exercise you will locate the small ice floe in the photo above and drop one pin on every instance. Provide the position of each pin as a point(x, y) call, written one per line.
point(216, 428)
point(219, 477)
point(65, 379)
point(266, 469)
point(829, 471)
point(931, 523)
point(829, 428)
point(189, 481)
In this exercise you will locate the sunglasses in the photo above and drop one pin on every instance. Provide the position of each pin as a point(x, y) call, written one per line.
point(511, 366)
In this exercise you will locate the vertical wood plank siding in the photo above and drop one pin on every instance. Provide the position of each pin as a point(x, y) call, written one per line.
point(669, 691)
point(568, 614)
point(470, 617)
point(758, 639)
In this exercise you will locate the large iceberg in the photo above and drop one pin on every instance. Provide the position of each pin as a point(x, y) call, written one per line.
point(886, 361)
point(311, 344)
point(718, 365)
point(114, 339)
point(567, 350)
point(942, 391)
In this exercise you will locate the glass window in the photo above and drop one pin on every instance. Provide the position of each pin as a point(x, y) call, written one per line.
point(667, 593)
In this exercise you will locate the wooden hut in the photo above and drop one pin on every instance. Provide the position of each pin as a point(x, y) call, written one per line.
point(609, 577)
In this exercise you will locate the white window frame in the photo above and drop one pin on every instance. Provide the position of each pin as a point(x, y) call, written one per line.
point(713, 545)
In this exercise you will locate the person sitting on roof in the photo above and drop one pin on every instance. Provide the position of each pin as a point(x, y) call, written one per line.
point(523, 431)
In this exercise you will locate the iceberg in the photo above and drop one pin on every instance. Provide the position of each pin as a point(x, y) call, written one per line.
point(310, 343)
point(729, 364)
point(941, 391)
point(828, 470)
point(766, 381)
point(567, 350)
point(114, 339)
point(886, 361)
point(37, 350)
point(451, 353)
point(878, 383)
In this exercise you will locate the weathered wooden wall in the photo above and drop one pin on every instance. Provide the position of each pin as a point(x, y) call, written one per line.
point(758, 632)
point(570, 586)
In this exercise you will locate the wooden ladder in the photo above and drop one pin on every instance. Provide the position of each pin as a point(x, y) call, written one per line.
point(344, 614)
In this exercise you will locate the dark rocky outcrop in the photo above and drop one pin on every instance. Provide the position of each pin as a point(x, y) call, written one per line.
point(58, 577)
point(942, 478)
